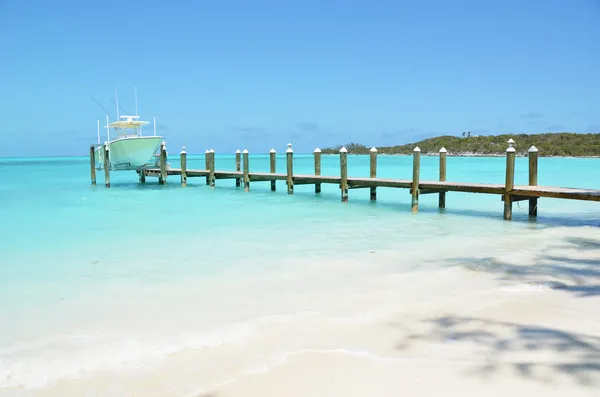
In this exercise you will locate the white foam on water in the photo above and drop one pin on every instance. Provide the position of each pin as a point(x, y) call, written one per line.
point(43, 363)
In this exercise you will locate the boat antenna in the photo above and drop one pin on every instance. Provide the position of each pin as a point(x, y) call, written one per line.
point(136, 108)
point(99, 104)
point(107, 129)
point(117, 96)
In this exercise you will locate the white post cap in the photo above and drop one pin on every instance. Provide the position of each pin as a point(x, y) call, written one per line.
point(317, 150)
point(238, 151)
point(272, 151)
point(183, 150)
point(212, 150)
point(532, 149)
point(206, 151)
point(443, 150)
point(289, 148)
point(373, 150)
point(510, 146)
point(343, 150)
point(245, 151)
point(417, 149)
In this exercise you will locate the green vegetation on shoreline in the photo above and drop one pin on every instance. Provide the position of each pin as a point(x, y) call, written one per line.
point(562, 144)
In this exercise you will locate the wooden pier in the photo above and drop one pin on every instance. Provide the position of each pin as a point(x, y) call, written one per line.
point(508, 192)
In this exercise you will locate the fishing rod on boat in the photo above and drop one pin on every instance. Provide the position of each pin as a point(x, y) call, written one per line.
point(106, 111)
point(120, 107)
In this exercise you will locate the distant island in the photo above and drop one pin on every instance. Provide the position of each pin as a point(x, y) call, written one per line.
point(562, 144)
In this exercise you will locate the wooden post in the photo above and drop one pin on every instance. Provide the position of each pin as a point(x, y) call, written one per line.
point(510, 179)
point(93, 165)
point(373, 171)
point(443, 152)
point(317, 154)
point(106, 165)
point(238, 166)
point(183, 160)
point(415, 180)
point(344, 174)
point(533, 178)
point(289, 155)
point(143, 175)
point(162, 179)
point(207, 165)
point(246, 171)
point(273, 167)
point(211, 167)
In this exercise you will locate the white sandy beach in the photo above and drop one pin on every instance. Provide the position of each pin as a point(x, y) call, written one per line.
point(489, 326)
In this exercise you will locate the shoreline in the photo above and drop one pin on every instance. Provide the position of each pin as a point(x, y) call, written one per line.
point(436, 154)
point(516, 317)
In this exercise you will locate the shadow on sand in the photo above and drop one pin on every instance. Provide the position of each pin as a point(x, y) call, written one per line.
point(574, 275)
point(533, 352)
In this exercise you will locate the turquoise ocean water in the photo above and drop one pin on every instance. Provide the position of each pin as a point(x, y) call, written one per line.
point(94, 280)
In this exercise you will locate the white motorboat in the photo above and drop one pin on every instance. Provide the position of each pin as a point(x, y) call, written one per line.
point(128, 148)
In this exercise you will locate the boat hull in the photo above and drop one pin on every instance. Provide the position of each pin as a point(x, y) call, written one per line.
point(130, 152)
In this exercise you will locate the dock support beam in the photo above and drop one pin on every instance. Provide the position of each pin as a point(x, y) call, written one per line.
point(211, 167)
point(415, 180)
point(162, 179)
point(142, 176)
point(273, 167)
point(373, 171)
point(93, 165)
point(183, 160)
point(206, 165)
point(238, 167)
point(344, 174)
point(106, 166)
point(317, 154)
point(510, 179)
point(246, 171)
point(289, 155)
point(533, 179)
point(442, 200)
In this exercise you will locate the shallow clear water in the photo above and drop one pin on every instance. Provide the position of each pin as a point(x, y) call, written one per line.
point(94, 279)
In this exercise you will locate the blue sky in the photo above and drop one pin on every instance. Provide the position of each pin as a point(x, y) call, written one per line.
point(232, 74)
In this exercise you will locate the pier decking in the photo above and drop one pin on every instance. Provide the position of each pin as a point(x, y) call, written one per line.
point(508, 191)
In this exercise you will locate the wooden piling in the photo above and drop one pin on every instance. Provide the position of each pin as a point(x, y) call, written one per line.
point(416, 179)
point(246, 171)
point(289, 156)
point(238, 166)
point(183, 160)
point(162, 179)
point(317, 155)
point(533, 178)
point(510, 179)
point(206, 165)
point(142, 176)
point(273, 167)
point(344, 174)
point(93, 164)
point(211, 167)
point(106, 166)
point(373, 171)
point(442, 198)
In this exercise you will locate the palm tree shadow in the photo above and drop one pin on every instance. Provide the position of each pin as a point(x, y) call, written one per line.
point(533, 352)
point(580, 277)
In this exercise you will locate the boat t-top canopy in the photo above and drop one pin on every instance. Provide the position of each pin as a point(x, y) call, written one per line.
point(129, 122)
